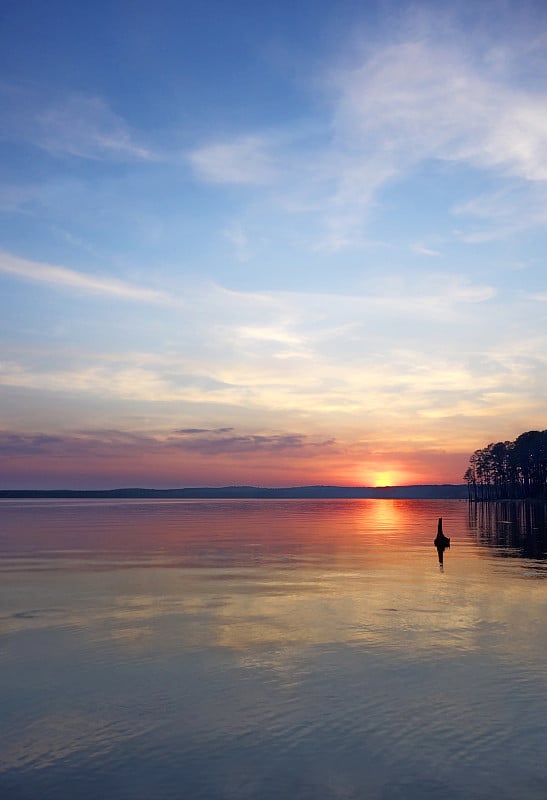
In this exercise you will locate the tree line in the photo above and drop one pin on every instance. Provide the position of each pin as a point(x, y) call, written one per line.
point(509, 470)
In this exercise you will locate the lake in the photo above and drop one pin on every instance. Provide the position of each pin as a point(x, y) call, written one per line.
point(302, 649)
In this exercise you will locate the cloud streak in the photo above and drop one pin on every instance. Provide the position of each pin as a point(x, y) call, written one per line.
point(201, 441)
point(64, 278)
point(222, 441)
point(246, 160)
point(77, 125)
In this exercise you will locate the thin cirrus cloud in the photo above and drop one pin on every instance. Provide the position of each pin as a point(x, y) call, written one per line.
point(239, 241)
point(422, 250)
point(245, 160)
point(60, 277)
point(504, 213)
point(87, 128)
point(78, 125)
point(416, 101)
point(394, 107)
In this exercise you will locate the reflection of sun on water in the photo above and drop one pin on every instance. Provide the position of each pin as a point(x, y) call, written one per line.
point(385, 515)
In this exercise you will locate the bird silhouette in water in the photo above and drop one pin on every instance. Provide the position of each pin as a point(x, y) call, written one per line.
point(441, 541)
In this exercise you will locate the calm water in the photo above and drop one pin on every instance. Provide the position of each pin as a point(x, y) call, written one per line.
point(272, 649)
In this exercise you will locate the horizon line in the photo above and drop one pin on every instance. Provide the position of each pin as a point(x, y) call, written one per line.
point(234, 486)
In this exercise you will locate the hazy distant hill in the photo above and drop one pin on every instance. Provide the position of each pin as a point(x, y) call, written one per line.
point(420, 492)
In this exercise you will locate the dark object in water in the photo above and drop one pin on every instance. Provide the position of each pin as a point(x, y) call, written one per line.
point(441, 541)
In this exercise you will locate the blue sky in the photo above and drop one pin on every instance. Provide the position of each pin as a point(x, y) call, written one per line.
point(309, 235)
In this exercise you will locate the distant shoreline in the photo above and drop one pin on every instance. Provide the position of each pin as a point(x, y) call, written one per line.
point(417, 492)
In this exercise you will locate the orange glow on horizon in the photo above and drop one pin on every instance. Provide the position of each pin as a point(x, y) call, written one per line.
point(384, 479)
point(100, 464)
point(381, 476)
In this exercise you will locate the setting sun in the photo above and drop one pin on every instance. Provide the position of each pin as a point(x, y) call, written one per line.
point(384, 479)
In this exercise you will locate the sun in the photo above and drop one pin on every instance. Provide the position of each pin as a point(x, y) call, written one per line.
point(384, 479)
point(387, 475)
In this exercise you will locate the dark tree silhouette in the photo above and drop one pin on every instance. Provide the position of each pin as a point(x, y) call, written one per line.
point(509, 470)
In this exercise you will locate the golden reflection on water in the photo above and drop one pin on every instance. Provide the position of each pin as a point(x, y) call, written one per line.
point(385, 517)
point(371, 579)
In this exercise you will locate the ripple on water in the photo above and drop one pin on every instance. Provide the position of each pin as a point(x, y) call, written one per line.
point(261, 651)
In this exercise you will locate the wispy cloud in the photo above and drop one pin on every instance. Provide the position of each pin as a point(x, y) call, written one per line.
point(85, 127)
point(416, 100)
point(423, 96)
point(284, 356)
point(239, 241)
point(497, 215)
point(244, 160)
point(65, 278)
point(76, 125)
point(194, 431)
point(200, 441)
point(421, 250)
point(224, 440)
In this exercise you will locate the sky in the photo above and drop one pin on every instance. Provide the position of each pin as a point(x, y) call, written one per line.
point(269, 243)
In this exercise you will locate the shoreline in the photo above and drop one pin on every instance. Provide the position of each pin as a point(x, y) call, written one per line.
point(415, 492)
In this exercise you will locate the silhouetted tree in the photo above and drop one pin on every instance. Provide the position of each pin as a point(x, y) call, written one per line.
point(509, 470)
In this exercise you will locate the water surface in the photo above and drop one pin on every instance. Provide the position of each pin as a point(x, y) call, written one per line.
point(265, 649)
